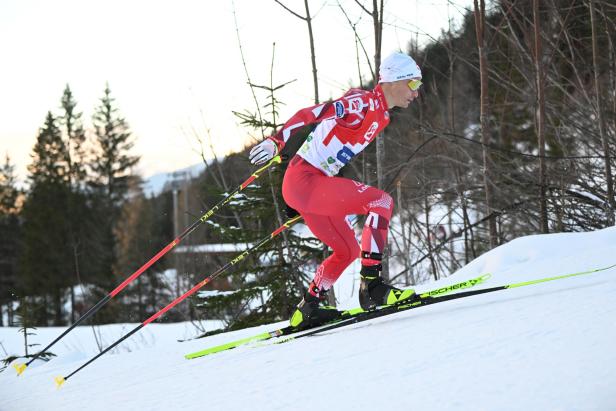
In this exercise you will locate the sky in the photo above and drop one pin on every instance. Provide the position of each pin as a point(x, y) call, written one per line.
point(175, 68)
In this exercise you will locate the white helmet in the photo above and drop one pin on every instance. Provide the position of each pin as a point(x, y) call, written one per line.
point(398, 66)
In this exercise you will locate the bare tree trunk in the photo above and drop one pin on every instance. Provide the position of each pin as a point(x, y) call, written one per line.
point(452, 58)
point(72, 304)
point(380, 160)
point(429, 238)
point(540, 120)
point(406, 240)
point(453, 262)
point(78, 274)
point(25, 324)
point(455, 165)
point(377, 17)
point(612, 80)
point(377, 21)
point(612, 60)
point(469, 244)
point(10, 319)
point(312, 54)
point(485, 132)
point(308, 20)
point(610, 206)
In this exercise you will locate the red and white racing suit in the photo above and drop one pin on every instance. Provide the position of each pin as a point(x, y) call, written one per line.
point(346, 126)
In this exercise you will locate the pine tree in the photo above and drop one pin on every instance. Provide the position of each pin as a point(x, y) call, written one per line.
point(74, 137)
point(112, 174)
point(113, 168)
point(9, 234)
point(45, 259)
point(48, 155)
point(8, 188)
point(85, 261)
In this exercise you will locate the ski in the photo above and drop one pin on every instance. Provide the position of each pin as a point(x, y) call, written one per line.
point(358, 315)
point(346, 316)
point(429, 301)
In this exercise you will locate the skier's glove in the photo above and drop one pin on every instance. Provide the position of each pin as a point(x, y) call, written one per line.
point(290, 212)
point(263, 152)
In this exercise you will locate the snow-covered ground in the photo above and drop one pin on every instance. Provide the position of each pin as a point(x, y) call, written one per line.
point(550, 346)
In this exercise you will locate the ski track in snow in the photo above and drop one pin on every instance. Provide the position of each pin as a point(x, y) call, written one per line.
point(550, 346)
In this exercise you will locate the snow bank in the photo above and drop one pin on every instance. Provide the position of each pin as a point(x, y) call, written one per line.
point(548, 346)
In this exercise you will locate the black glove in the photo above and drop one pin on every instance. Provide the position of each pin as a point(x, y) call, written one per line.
point(290, 212)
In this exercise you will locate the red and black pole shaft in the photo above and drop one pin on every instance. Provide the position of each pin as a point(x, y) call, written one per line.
point(161, 253)
point(154, 317)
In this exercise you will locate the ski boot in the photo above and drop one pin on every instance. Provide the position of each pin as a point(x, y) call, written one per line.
point(374, 292)
point(309, 314)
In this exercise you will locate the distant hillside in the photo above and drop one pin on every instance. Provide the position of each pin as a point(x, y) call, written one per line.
point(159, 182)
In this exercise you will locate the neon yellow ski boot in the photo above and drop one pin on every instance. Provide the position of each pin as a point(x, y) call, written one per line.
point(310, 313)
point(374, 292)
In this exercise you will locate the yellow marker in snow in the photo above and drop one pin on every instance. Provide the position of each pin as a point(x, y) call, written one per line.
point(59, 381)
point(20, 368)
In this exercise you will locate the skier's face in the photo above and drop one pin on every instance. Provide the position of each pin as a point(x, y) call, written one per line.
point(400, 93)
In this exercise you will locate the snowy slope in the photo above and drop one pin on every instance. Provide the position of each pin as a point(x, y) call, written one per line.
point(550, 346)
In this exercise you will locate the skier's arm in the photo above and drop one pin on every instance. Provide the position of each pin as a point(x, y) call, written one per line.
point(268, 148)
point(303, 117)
point(349, 112)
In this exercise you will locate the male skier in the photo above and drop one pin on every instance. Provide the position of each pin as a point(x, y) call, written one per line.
point(345, 127)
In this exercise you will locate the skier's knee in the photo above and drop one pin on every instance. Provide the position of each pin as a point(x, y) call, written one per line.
point(346, 255)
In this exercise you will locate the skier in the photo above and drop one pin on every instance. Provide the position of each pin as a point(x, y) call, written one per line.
point(345, 127)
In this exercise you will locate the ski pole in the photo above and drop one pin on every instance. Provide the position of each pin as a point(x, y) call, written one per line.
point(60, 380)
point(276, 160)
